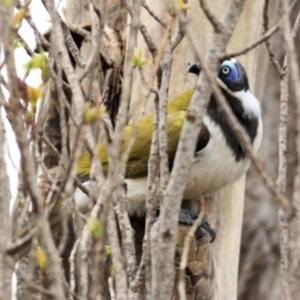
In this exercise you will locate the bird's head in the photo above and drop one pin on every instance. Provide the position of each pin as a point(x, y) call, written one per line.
point(232, 75)
point(233, 80)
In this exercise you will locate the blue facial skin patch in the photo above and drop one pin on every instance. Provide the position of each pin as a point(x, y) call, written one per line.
point(233, 74)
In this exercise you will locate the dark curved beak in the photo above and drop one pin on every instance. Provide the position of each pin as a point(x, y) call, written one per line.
point(194, 68)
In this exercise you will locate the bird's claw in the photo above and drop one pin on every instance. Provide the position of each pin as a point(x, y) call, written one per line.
point(205, 226)
point(188, 217)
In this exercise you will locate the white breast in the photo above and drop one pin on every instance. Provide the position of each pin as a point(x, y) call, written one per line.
point(215, 166)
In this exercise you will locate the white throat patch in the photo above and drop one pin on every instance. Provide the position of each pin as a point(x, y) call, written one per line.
point(250, 104)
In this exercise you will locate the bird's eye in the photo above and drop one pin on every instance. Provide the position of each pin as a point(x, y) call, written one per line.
point(229, 71)
point(225, 70)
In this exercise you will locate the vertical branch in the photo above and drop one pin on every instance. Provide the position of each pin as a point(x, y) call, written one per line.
point(117, 257)
point(5, 232)
point(282, 175)
point(290, 242)
point(166, 64)
point(64, 59)
point(122, 116)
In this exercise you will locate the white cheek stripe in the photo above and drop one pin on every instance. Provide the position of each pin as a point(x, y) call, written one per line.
point(250, 103)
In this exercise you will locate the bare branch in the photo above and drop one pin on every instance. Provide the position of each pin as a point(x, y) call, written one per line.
point(72, 47)
point(154, 16)
point(97, 31)
point(117, 258)
point(296, 26)
point(265, 36)
point(166, 64)
point(273, 60)
point(217, 25)
point(186, 248)
point(148, 40)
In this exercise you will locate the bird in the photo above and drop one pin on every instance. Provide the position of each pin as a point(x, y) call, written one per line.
point(219, 158)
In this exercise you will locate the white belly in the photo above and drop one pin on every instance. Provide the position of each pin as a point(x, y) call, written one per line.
point(215, 166)
point(213, 171)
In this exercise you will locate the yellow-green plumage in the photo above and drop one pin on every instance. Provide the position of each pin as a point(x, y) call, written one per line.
point(138, 159)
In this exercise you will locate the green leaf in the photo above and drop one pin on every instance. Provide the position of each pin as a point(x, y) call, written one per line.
point(94, 227)
point(138, 60)
point(34, 94)
point(6, 2)
point(107, 250)
point(19, 16)
point(182, 5)
point(41, 258)
point(38, 62)
point(92, 113)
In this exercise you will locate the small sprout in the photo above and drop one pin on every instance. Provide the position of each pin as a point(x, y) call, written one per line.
point(113, 268)
point(38, 62)
point(34, 94)
point(19, 16)
point(138, 60)
point(182, 5)
point(107, 250)
point(18, 44)
point(6, 2)
point(29, 115)
point(41, 258)
point(92, 113)
point(94, 227)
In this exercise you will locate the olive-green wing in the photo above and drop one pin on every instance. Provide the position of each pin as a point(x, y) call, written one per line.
point(137, 165)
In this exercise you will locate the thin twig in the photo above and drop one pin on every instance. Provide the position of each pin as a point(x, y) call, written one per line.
point(58, 157)
point(117, 257)
point(145, 83)
point(127, 234)
point(154, 16)
point(97, 31)
point(80, 30)
point(148, 40)
point(265, 36)
point(72, 47)
point(177, 37)
point(273, 60)
point(26, 46)
point(217, 25)
point(186, 248)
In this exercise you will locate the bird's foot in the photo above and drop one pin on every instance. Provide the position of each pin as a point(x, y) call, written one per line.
point(188, 217)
